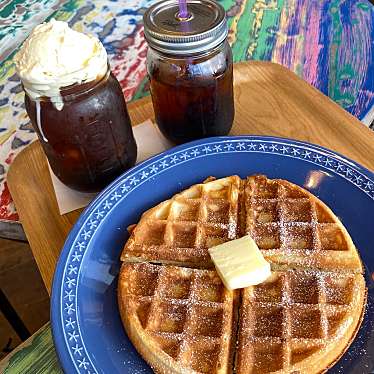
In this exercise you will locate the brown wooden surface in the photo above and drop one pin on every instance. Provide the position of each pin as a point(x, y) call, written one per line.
point(22, 285)
point(269, 100)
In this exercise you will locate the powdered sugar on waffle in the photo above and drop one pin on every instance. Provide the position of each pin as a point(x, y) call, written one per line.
point(308, 306)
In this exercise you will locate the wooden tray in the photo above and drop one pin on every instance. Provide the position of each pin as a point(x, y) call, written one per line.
point(269, 100)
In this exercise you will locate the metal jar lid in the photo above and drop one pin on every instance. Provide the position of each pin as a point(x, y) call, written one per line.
point(203, 29)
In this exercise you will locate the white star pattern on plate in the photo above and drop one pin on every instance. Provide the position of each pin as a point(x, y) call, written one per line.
point(99, 214)
point(107, 204)
point(184, 156)
point(284, 149)
point(252, 147)
point(124, 188)
point(92, 224)
point(194, 152)
point(144, 175)
point(69, 308)
point(317, 158)
point(153, 169)
point(228, 147)
point(306, 154)
point(70, 282)
point(69, 294)
point(76, 257)
point(134, 181)
point(295, 151)
point(217, 148)
point(73, 336)
point(273, 148)
point(83, 363)
point(240, 146)
point(173, 160)
point(70, 323)
point(72, 269)
point(328, 162)
point(348, 172)
point(77, 349)
point(80, 246)
point(116, 196)
point(163, 164)
point(86, 234)
point(262, 147)
point(340, 167)
point(206, 149)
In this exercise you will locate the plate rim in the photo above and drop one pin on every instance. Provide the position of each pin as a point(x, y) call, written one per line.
point(324, 154)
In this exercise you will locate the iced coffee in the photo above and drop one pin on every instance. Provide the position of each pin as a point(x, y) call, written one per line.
point(76, 106)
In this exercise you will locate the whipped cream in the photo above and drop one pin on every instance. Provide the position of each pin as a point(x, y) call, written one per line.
point(55, 56)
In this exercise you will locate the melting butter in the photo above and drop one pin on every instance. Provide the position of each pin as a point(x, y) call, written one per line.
point(240, 263)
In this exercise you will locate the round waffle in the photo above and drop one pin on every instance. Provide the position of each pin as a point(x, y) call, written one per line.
point(180, 317)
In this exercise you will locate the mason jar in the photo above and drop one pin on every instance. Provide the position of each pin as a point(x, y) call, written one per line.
point(190, 69)
point(85, 132)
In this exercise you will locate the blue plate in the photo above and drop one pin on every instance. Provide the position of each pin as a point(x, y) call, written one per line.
point(87, 328)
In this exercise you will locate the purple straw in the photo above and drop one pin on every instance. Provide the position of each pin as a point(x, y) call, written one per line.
point(183, 13)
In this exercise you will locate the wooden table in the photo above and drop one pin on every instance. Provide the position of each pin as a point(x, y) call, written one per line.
point(269, 100)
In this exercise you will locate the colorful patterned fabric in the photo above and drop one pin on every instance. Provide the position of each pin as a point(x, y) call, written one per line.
point(326, 42)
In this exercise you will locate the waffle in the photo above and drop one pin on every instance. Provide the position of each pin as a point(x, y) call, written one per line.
point(290, 225)
point(294, 228)
point(180, 230)
point(180, 317)
point(298, 321)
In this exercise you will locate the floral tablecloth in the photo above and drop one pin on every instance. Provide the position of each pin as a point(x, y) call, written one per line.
point(329, 43)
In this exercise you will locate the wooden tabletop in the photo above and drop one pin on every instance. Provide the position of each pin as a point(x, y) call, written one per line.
point(269, 100)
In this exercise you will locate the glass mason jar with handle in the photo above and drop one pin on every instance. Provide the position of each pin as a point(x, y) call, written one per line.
point(189, 65)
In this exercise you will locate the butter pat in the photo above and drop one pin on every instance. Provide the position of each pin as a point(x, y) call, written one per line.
point(240, 263)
